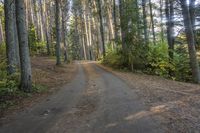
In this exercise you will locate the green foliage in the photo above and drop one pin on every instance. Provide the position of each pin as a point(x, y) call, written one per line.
point(153, 59)
point(32, 37)
point(114, 59)
point(35, 45)
point(158, 60)
point(39, 88)
point(182, 71)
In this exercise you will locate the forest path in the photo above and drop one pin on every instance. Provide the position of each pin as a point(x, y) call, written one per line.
point(96, 101)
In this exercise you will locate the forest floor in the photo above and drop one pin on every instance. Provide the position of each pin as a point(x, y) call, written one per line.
point(102, 100)
point(177, 104)
point(45, 75)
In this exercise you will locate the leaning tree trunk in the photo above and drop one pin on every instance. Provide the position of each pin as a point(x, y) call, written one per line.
point(10, 40)
point(191, 43)
point(57, 20)
point(26, 76)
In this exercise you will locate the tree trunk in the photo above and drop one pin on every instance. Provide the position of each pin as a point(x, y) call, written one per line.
point(191, 43)
point(26, 77)
point(57, 20)
point(1, 32)
point(115, 21)
point(193, 18)
point(10, 40)
point(146, 38)
point(101, 27)
point(46, 22)
point(122, 25)
point(152, 22)
point(64, 36)
point(169, 9)
point(161, 23)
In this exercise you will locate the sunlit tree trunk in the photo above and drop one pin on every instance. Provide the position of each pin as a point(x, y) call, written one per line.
point(152, 22)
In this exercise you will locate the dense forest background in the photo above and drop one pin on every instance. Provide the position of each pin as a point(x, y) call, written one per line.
point(160, 37)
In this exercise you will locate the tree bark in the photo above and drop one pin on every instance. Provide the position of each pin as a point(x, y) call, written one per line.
point(10, 40)
point(122, 25)
point(169, 9)
point(26, 77)
point(190, 40)
point(57, 20)
point(101, 27)
point(152, 22)
point(146, 38)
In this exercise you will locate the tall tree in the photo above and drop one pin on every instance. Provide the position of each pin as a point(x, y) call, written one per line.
point(115, 21)
point(144, 11)
point(10, 40)
point(58, 38)
point(152, 21)
point(26, 77)
point(191, 42)
point(101, 27)
point(170, 26)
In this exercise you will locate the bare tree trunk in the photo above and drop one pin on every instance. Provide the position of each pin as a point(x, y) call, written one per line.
point(110, 24)
point(26, 77)
point(152, 22)
point(170, 26)
point(146, 38)
point(57, 20)
point(64, 35)
point(123, 32)
point(191, 43)
point(45, 21)
point(1, 32)
point(161, 23)
point(193, 18)
point(10, 41)
point(115, 22)
point(101, 27)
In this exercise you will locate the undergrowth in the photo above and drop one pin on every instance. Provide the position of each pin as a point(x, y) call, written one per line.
point(153, 60)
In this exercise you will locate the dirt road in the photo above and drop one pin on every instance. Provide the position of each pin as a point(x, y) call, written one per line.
point(96, 101)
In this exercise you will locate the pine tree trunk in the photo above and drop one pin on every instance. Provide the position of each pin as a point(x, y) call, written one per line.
point(10, 40)
point(191, 43)
point(122, 25)
point(152, 22)
point(64, 36)
point(101, 27)
point(145, 21)
point(115, 21)
point(169, 9)
point(1, 33)
point(26, 77)
point(57, 20)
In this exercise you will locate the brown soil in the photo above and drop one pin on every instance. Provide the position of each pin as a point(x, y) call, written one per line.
point(178, 103)
point(47, 74)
